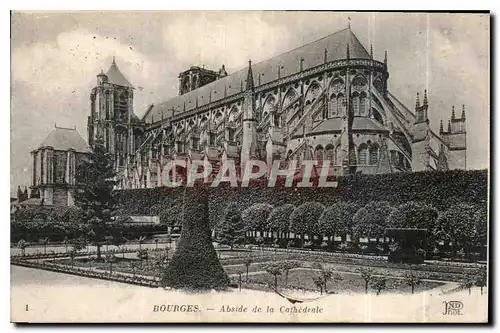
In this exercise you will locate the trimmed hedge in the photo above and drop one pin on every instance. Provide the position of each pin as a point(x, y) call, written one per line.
point(195, 265)
point(437, 188)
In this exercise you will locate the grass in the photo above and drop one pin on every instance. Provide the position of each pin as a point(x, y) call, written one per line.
point(302, 278)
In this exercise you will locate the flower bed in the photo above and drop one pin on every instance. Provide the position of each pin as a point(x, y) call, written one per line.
point(137, 280)
point(302, 279)
point(51, 254)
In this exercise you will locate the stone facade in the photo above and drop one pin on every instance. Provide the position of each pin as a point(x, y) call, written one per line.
point(327, 101)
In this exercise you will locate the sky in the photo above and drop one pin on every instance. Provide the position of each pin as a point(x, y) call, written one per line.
point(55, 57)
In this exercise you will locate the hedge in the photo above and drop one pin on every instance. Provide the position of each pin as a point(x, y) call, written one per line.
point(437, 188)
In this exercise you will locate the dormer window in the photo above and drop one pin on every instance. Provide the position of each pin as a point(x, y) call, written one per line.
point(195, 143)
point(211, 139)
point(231, 132)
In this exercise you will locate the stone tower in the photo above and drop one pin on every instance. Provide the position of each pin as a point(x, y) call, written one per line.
point(111, 116)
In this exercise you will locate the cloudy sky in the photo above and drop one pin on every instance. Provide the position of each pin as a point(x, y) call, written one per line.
point(56, 57)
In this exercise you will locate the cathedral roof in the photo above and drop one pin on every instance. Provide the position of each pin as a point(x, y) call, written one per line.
point(64, 139)
point(115, 76)
point(313, 54)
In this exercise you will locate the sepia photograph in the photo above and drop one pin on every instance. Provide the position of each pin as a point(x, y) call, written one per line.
point(249, 167)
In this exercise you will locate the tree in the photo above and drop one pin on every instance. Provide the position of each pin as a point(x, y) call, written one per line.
point(318, 281)
point(156, 243)
point(239, 272)
point(94, 194)
point(367, 275)
point(370, 221)
point(141, 240)
point(457, 225)
point(304, 218)
point(379, 284)
point(45, 242)
point(142, 254)
point(274, 270)
point(110, 258)
point(468, 281)
point(22, 246)
point(481, 278)
point(248, 261)
point(195, 265)
point(72, 255)
point(279, 220)
point(256, 216)
point(287, 266)
point(66, 243)
point(337, 219)
point(413, 215)
point(232, 231)
point(412, 280)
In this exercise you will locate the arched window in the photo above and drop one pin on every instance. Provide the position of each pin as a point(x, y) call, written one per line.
point(377, 116)
point(374, 154)
point(318, 154)
point(355, 103)
point(330, 153)
point(332, 106)
point(362, 104)
point(340, 105)
point(362, 154)
point(338, 156)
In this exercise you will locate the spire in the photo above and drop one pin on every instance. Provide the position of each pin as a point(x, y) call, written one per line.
point(326, 55)
point(114, 63)
point(371, 51)
point(385, 58)
point(441, 127)
point(279, 71)
point(250, 76)
point(425, 97)
point(210, 96)
point(348, 56)
point(184, 108)
point(417, 103)
point(348, 22)
point(196, 101)
point(463, 111)
point(301, 63)
point(449, 126)
point(453, 112)
point(225, 91)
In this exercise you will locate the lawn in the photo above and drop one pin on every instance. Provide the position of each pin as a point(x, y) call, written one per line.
point(348, 282)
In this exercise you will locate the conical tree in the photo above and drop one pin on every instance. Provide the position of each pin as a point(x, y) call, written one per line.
point(194, 265)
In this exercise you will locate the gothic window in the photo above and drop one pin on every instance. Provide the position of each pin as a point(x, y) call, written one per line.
point(337, 85)
point(318, 154)
point(394, 157)
point(338, 155)
point(355, 103)
point(374, 154)
point(269, 106)
point(195, 143)
point(180, 147)
point(330, 153)
point(358, 82)
point(290, 96)
point(362, 154)
point(332, 106)
point(312, 93)
point(211, 139)
point(276, 119)
point(378, 85)
point(377, 116)
point(340, 105)
point(231, 132)
point(362, 104)
point(218, 117)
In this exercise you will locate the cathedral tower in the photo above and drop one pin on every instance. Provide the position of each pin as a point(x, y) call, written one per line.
point(111, 116)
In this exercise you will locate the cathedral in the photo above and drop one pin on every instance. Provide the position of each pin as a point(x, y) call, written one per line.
point(326, 101)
